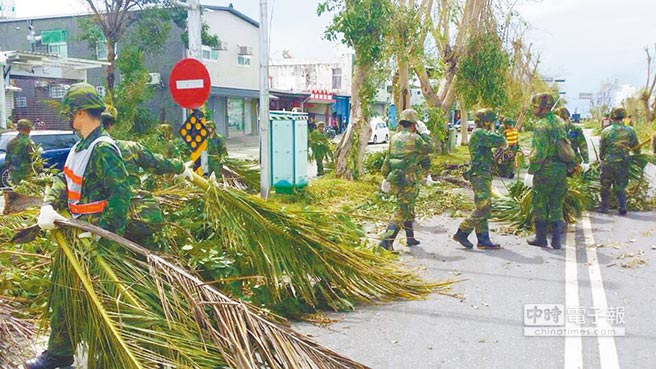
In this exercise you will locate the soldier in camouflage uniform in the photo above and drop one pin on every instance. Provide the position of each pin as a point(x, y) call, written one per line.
point(575, 135)
point(549, 172)
point(217, 150)
point(617, 141)
point(19, 153)
point(481, 143)
point(174, 148)
point(145, 215)
point(94, 187)
point(403, 172)
point(320, 145)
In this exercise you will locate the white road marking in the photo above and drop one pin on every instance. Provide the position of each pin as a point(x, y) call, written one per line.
point(573, 344)
point(607, 349)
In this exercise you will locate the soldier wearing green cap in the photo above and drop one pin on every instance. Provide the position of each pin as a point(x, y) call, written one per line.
point(617, 141)
point(481, 143)
point(403, 171)
point(217, 150)
point(94, 187)
point(20, 152)
point(549, 172)
point(576, 136)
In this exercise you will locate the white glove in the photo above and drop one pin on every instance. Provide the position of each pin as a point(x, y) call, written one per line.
point(187, 173)
point(212, 176)
point(528, 180)
point(421, 128)
point(47, 218)
point(386, 187)
point(585, 167)
point(429, 180)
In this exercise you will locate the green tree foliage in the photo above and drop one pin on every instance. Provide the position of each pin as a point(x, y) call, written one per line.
point(133, 91)
point(482, 71)
point(179, 17)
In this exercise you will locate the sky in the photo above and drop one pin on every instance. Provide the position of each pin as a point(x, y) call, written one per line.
point(585, 42)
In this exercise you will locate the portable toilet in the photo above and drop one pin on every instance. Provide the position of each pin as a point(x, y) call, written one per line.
point(289, 150)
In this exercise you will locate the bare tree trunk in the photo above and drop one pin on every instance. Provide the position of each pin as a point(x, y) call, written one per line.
point(404, 85)
point(464, 125)
point(110, 74)
point(349, 164)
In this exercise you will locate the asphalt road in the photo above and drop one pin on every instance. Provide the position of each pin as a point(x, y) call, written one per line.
point(601, 281)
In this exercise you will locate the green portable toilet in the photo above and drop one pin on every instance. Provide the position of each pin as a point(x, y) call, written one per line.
point(289, 151)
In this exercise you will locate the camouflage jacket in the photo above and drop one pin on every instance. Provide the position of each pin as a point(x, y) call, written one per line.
point(543, 148)
point(405, 150)
point(217, 151)
point(319, 142)
point(481, 144)
point(105, 179)
point(579, 144)
point(138, 159)
point(19, 154)
point(616, 142)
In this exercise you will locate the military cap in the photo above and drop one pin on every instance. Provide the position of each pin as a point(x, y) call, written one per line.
point(24, 124)
point(618, 113)
point(485, 115)
point(509, 122)
point(165, 128)
point(210, 124)
point(110, 112)
point(82, 96)
point(563, 113)
point(409, 115)
point(543, 100)
point(321, 124)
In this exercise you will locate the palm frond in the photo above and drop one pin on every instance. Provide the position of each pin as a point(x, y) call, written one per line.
point(14, 334)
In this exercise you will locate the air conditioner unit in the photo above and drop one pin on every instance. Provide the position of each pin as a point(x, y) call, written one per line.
point(155, 79)
point(223, 46)
point(245, 50)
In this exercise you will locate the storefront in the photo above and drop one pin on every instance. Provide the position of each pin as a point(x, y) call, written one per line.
point(287, 100)
point(319, 106)
point(234, 111)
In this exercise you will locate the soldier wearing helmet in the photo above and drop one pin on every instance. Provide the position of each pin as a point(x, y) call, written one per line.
point(94, 187)
point(617, 141)
point(548, 171)
point(402, 172)
point(320, 145)
point(217, 150)
point(575, 135)
point(20, 152)
point(481, 143)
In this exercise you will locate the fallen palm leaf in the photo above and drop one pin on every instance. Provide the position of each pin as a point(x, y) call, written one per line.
point(240, 332)
point(14, 334)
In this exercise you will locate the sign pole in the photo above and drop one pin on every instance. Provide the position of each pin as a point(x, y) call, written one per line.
point(265, 139)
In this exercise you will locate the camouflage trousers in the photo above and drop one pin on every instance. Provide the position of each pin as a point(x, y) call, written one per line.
point(145, 219)
point(318, 157)
point(477, 220)
point(19, 173)
point(549, 189)
point(615, 175)
point(406, 197)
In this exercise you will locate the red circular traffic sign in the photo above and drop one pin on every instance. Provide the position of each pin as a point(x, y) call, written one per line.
point(189, 83)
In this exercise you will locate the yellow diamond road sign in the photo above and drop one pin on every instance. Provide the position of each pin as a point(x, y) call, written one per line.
point(194, 134)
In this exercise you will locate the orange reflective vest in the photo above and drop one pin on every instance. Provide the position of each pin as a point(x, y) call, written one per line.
point(74, 169)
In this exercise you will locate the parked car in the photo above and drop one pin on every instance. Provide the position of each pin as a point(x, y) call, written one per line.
point(54, 147)
point(379, 131)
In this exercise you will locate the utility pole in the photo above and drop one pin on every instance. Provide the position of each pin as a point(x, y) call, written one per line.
point(265, 140)
point(3, 105)
point(194, 27)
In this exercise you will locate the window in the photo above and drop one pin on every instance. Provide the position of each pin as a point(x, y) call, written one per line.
point(101, 91)
point(101, 50)
point(244, 60)
point(58, 91)
point(21, 102)
point(57, 141)
point(337, 78)
point(210, 53)
point(60, 49)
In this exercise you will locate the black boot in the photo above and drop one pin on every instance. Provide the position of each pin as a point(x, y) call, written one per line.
point(390, 235)
point(410, 234)
point(461, 237)
point(540, 238)
point(556, 234)
point(485, 243)
point(49, 361)
point(621, 198)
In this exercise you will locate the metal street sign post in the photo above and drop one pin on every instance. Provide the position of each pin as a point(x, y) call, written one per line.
point(189, 84)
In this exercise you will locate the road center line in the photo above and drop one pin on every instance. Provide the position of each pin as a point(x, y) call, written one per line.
point(573, 345)
point(607, 350)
